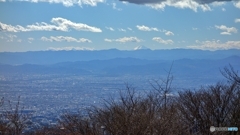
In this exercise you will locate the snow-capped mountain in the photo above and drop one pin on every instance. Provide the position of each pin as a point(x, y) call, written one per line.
point(141, 47)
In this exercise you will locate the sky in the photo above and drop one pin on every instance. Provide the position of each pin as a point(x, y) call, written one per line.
point(37, 25)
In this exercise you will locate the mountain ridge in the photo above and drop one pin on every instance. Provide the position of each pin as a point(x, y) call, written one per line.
point(52, 57)
point(126, 66)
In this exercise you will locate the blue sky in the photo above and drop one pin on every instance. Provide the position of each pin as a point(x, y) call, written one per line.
point(33, 25)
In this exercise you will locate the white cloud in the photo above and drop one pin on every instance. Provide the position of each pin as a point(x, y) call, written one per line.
point(180, 4)
point(30, 40)
point(63, 23)
point(108, 40)
point(68, 39)
point(124, 2)
point(169, 33)
point(225, 33)
point(237, 20)
point(216, 45)
point(10, 28)
point(11, 37)
point(110, 28)
point(237, 4)
point(59, 24)
point(68, 3)
point(160, 40)
point(2, 0)
point(46, 39)
point(223, 9)
point(226, 30)
point(146, 28)
point(114, 5)
point(129, 29)
point(123, 30)
point(128, 39)
point(69, 48)
point(124, 39)
point(217, 3)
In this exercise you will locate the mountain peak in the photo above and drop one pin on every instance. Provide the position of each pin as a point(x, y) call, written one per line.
point(141, 47)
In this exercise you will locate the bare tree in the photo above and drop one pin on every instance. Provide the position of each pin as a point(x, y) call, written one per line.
point(16, 121)
point(77, 124)
point(163, 88)
point(134, 114)
point(3, 123)
point(129, 115)
point(217, 105)
point(231, 74)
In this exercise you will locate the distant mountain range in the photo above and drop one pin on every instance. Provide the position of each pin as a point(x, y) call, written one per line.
point(120, 66)
point(53, 57)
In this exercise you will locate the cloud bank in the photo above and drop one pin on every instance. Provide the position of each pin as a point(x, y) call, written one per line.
point(67, 39)
point(58, 24)
point(124, 40)
point(216, 45)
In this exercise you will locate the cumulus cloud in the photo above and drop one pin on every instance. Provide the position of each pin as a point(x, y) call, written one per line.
point(124, 40)
point(191, 4)
point(67, 3)
point(237, 20)
point(169, 33)
point(58, 24)
point(237, 4)
point(226, 30)
point(69, 48)
point(146, 28)
point(10, 28)
point(110, 28)
point(159, 1)
point(160, 40)
point(216, 45)
point(67, 39)
point(128, 39)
